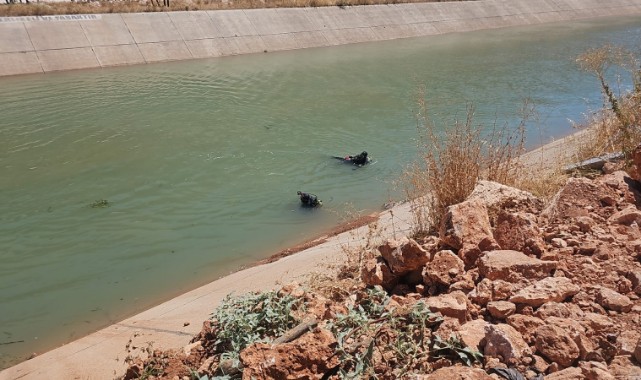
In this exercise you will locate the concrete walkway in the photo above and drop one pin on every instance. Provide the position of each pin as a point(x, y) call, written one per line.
point(41, 44)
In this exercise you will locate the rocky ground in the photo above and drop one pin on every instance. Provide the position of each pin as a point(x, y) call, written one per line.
point(510, 288)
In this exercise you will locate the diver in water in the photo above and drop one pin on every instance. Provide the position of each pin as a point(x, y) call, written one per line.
point(309, 200)
point(359, 159)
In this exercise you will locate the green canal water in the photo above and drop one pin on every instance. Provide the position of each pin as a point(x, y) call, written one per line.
point(200, 161)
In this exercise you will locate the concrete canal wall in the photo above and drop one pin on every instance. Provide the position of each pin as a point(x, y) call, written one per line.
point(41, 44)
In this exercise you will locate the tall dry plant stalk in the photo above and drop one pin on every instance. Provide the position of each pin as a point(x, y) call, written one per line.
point(453, 160)
point(617, 128)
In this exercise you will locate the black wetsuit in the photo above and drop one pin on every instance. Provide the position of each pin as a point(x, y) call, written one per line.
point(309, 200)
point(359, 159)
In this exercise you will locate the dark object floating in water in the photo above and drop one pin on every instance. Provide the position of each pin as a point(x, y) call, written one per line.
point(309, 200)
point(100, 203)
point(358, 160)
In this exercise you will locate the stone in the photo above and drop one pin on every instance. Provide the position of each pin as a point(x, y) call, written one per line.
point(502, 290)
point(404, 256)
point(558, 243)
point(482, 293)
point(596, 371)
point(627, 188)
point(556, 345)
point(501, 309)
point(465, 283)
point(622, 367)
point(627, 342)
point(377, 272)
point(447, 328)
point(635, 279)
point(598, 323)
point(611, 300)
point(572, 373)
point(627, 216)
point(517, 231)
point(497, 197)
point(456, 373)
point(571, 326)
point(555, 289)
point(444, 269)
point(305, 357)
point(610, 167)
point(556, 309)
point(637, 352)
point(584, 223)
point(452, 305)
point(577, 196)
point(526, 325)
point(586, 346)
point(635, 171)
point(513, 266)
point(539, 364)
point(472, 334)
point(504, 341)
point(466, 223)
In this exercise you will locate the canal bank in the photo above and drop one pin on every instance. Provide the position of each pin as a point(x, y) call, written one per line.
point(41, 44)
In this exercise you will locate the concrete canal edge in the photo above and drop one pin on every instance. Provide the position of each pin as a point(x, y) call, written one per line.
point(41, 44)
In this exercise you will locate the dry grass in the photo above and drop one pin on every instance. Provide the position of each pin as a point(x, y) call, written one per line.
point(616, 128)
point(125, 6)
point(452, 161)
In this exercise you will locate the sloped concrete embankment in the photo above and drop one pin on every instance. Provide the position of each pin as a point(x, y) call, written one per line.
point(40, 44)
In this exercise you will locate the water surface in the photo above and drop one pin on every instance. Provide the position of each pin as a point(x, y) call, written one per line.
point(200, 161)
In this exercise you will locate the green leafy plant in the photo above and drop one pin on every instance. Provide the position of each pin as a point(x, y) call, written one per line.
point(453, 348)
point(369, 326)
point(254, 317)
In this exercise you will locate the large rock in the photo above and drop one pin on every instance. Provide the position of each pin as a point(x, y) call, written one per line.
point(577, 197)
point(612, 300)
point(467, 223)
point(557, 309)
point(595, 371)
point(444, 269)
point(505, 342)
point(571, 326)
point(308, 357)
point(453, 305)
point(526, 325)
point(627, 216)
point(598, 323)
point(556, 344)
point(513, 266)
point(404, 256)
point(627, 342)
point(549, 289)
point(487, 290)
point(497, 197)
point(456, 373)
point(572, 373)
point(501, 309)
point(518, 232)
point(377, 272)
point(473, 333)
point(623, 368)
